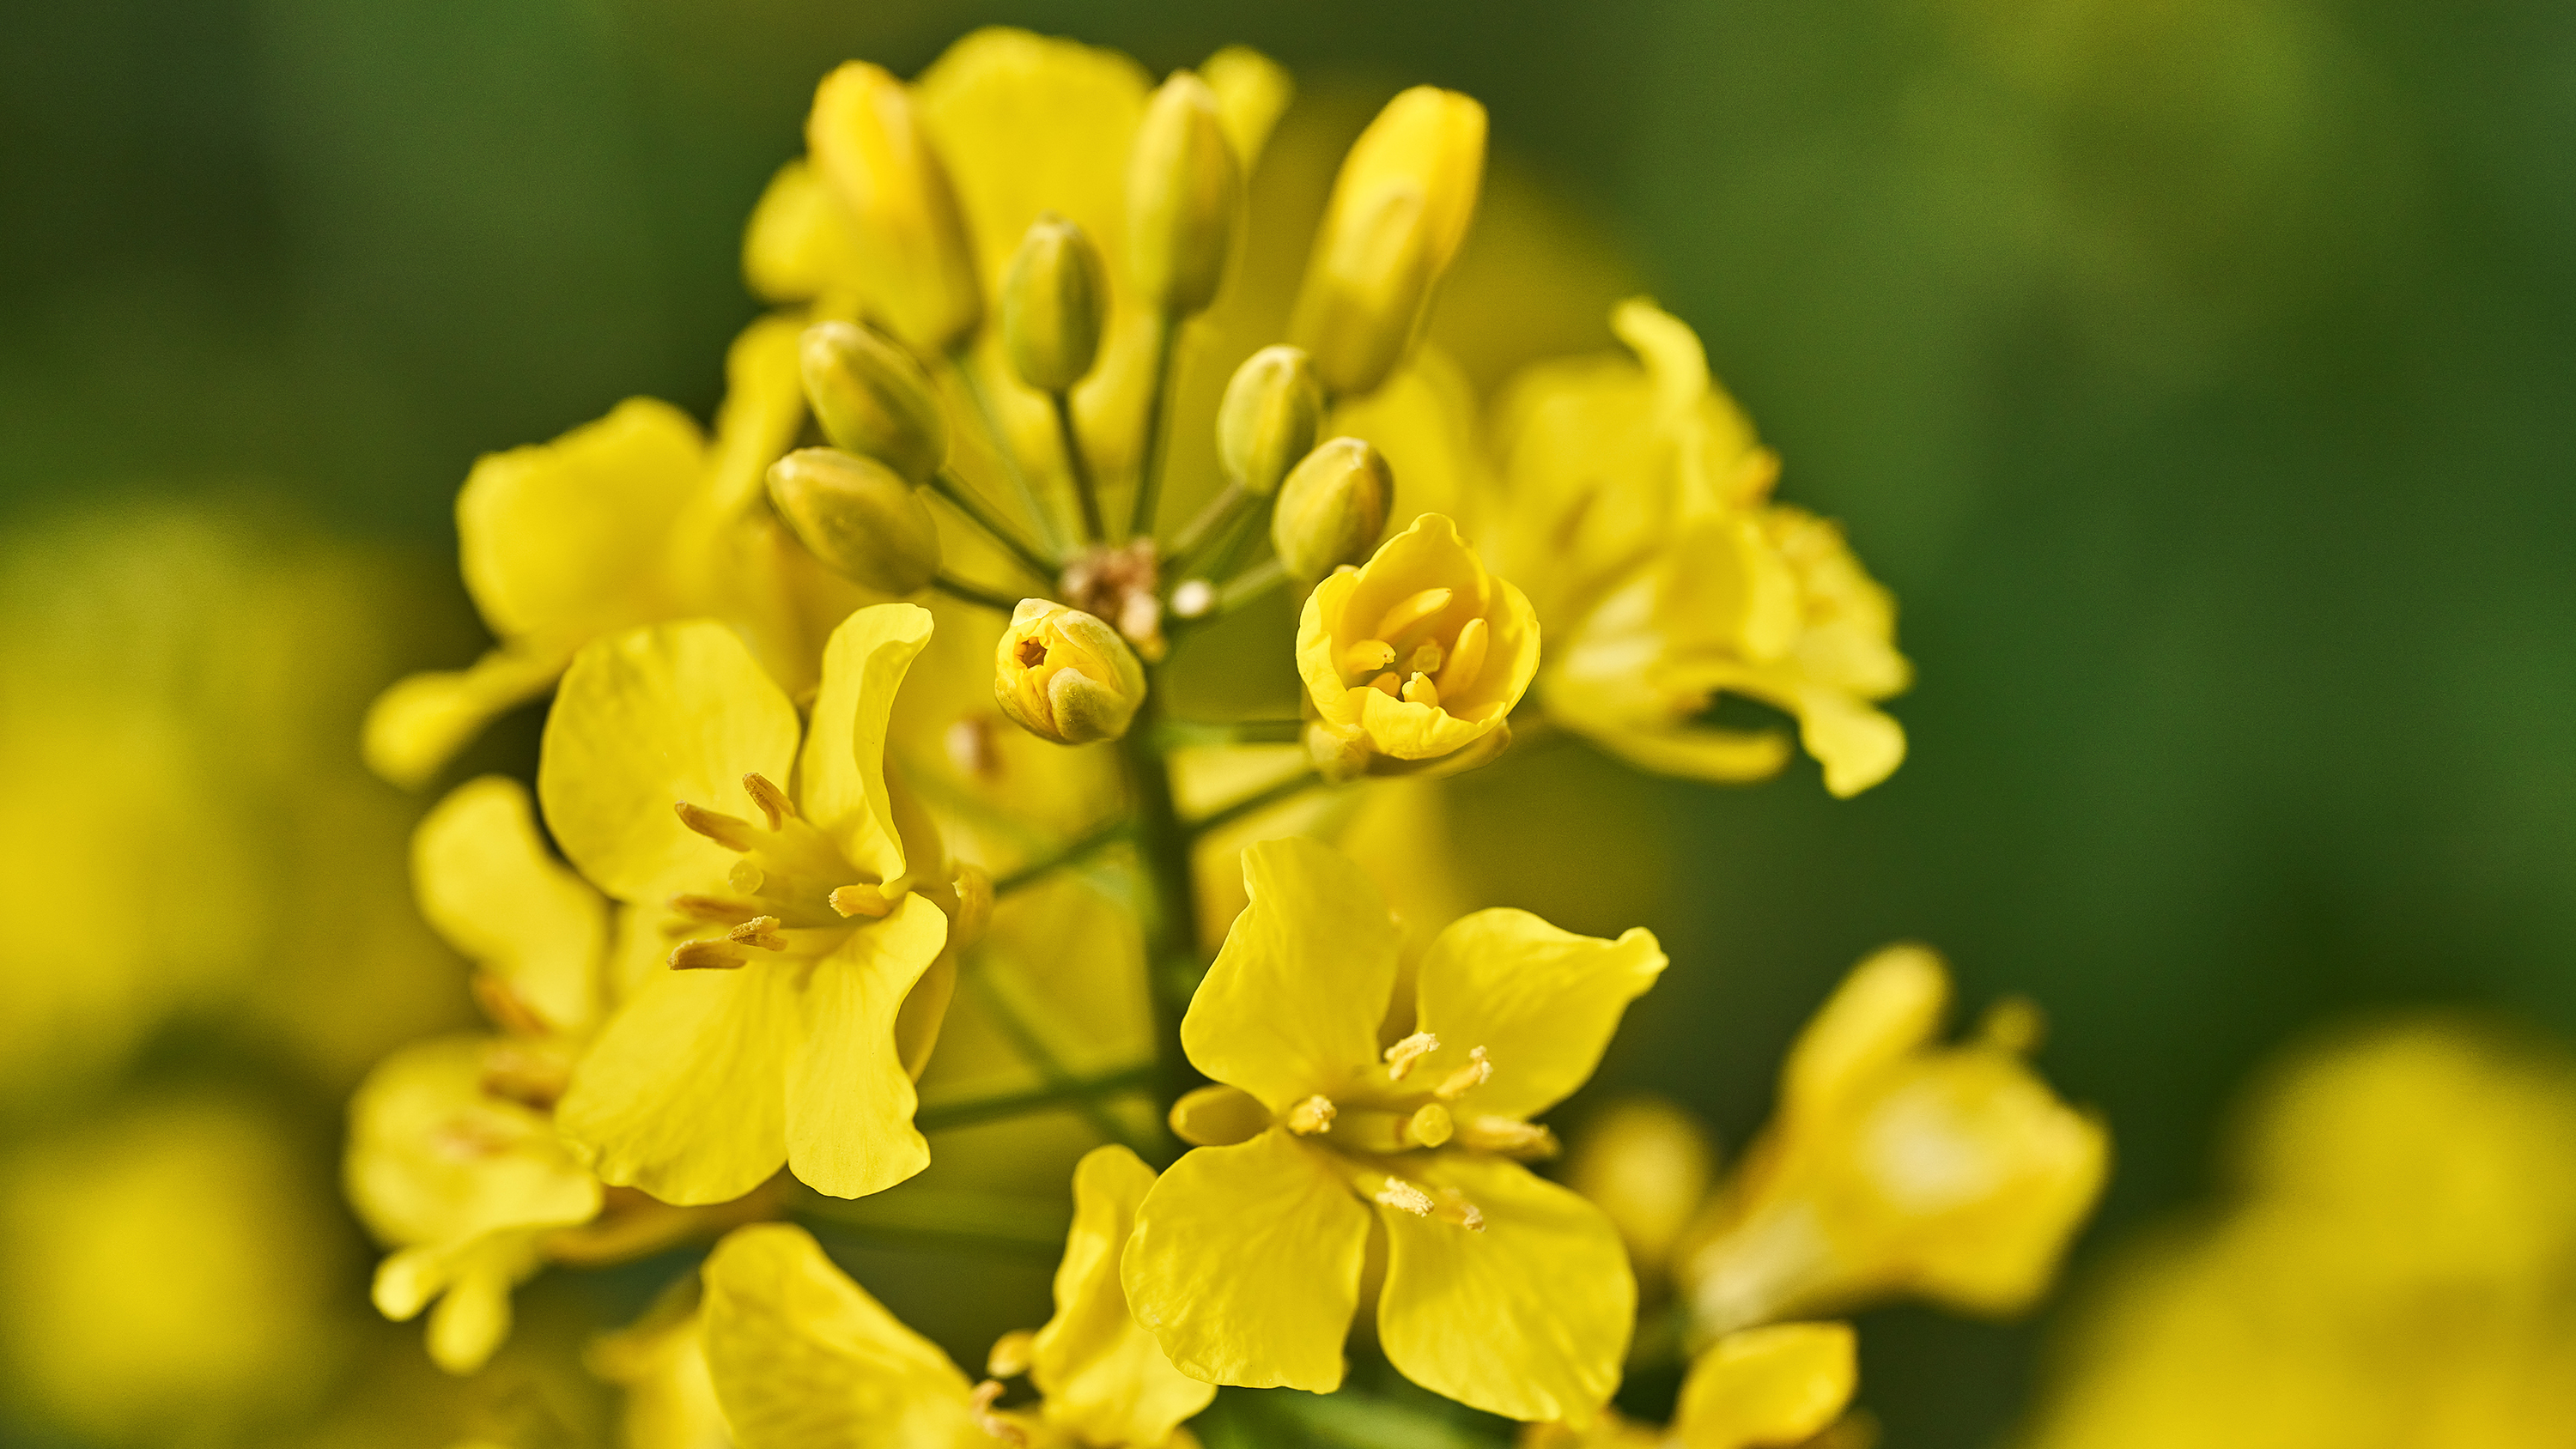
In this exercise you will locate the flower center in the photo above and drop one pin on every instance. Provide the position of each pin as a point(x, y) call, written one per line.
point(793, 891)
point(1375, 1123)
point(1409, 656)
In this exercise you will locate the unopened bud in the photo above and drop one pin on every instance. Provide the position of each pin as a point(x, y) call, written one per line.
point(1400, 208)
point(1065, 676)
point(1331, 509)
point(1184, 198)
point(871, 398)
point(1053, 303)
point(859, 517)
point(869, 148)
point(1268, 419)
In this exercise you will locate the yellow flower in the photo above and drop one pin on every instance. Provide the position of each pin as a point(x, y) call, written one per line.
point(1503, 1291)
point(1895, 1166)
point(1418, 654)
point(775, 1040)
point(873, 158)
point(1761, 1388)
point(2393, 1262)
point(1065, 676)
point(1104, 1378)
point(1636, 508)
point(1649, 1166)
point(630, 520)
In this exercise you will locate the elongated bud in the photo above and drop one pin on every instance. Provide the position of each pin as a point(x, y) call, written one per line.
point(1268, 419)
point(1053, 303)
point(1331, 509)
point(870, 150)
point(873, 399)
point(1184, 198)
point(1400, 208)
point(1065, 676)
point(859, 517)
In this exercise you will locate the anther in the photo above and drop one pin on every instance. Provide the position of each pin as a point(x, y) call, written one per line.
point(1419, 690)
point(706, 956)
point(712, 909)
point(1012, 1354)
point(728, 831)
point(1031, 653)
point(1466, 658)
point(1508, 1136)
point(1404, 1196)
point(1466, 1078)
point(980, 1405)
point(860, 900)
point(1313, 1115)
point(773, 802)
point(761, 931)
point(1401, 1056)
point(1367, 657)
point(1429, 1125)
point(1409, 613)
point(1455, 1208)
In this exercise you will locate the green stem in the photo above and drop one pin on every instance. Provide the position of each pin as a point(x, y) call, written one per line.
point(1247, 586)
point(1214, 521)
point(1172, 967)
point(1182, 734)
point(1050, 531)
point(1042, 1059)
point(1079, 466)
point(964, 592)
point(1037, 870)
point(953, 488)
point(1256, 802)
point(943, 1115)
point(1158, 413)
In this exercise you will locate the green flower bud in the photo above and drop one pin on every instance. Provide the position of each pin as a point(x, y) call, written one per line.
point(1053, 304)
point(1269, 417)
point(859, 517)
point(1184, 198)
point(872, 399)
point(1065, 676)
point(1331, 509)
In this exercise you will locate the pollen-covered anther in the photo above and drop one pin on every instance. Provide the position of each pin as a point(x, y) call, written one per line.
point(860, 899)
point(731, 832)
point(761, 931)
point(773, 802)
point(706, 956)
point(1313, 1115)
point(980, 1404)
point(1012, 1354)
point(1404, 1197)
point(1474, 1074)
point(1453, 1207)
point(713, 909)
point(1508, 1136)
point(1401, 1056)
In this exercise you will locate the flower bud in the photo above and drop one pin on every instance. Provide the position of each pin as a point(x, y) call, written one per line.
point(1400, 208)
point(870, 150)
point(872, 399)
point(1269, 417)
point(1065, 676)
point(1053, 304)
point(1184, 199)
point(1331, 508)
point(859, 517)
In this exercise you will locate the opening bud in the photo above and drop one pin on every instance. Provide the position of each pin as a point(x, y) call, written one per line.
point(1332, 508)
point(1184, 198)
point(1272, 409)
point(1063, 675)
point(1400, 208)
point(872, 154)
point(1053, 303)
point(871, 398)
point(859, 517)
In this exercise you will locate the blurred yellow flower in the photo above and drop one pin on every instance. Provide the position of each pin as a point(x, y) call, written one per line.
point(1104, 1378)
point(1646, 1164)
point(1895, 1166)
point(1419, 654)
point(774, 1041)
point(660, 1362)
point(2392, 1266)
point(1636, 510)
point(1774, 1387)
point(1502, 1290)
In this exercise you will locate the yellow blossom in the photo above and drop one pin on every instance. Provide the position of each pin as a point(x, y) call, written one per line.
point(875, 159)
point(1418, 654)
point(1637, 510)
point(775, 1037)
point(1648, 1166)
point(1898, 1166)
point(1502, 1290)
point(1784, 1386)
point(1104, 1378)
point(1065, 676)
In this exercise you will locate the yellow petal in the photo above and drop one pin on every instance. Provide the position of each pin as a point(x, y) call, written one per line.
point(1889, 1006)
point(684, 1094)
point(1778, 1385)
point(1245, 1264)
point(409, 1182)
point(797, 245)
point(645, 719)
point(1105, 1379)
point(568, 538)
point(803, 1358)
point(1858, 745)
point(487, 883)
point(1292, 1005)
point(1251, 91)
point(1528, 1318)
point(1540, 1001)
point(841, 778)
point(764, 406)
point(419, 723)
point(469, 1324)
point(849, 1101)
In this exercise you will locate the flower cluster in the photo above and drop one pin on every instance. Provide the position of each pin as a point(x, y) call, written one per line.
point(881, 777)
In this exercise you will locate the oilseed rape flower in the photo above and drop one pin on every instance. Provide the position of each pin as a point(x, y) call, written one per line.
point(1502, 1290)
point(1898, 1166)
point(773, 1038)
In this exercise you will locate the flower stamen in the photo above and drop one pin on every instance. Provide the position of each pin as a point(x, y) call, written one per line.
point(860, 899)
point(731, 832)
point(706, 956)
point(980, 1404)
point(1313, 1115)
point(1403, 1196)
point(761, 931)
point(1411, 614)
point(1474, 1074)
point(773, 802)
point(1401, 1056)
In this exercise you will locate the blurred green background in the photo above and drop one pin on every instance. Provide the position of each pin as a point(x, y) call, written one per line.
point(2201, 374)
